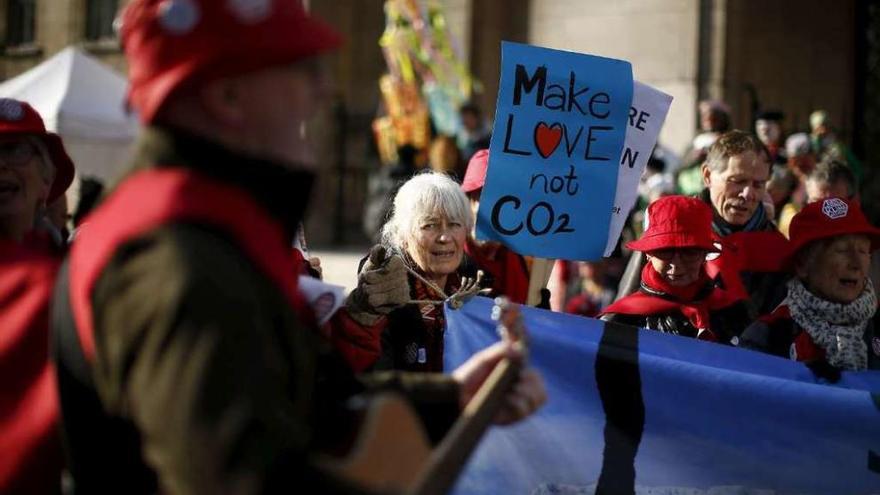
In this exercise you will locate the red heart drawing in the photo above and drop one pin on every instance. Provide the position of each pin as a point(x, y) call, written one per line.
point(547, 138)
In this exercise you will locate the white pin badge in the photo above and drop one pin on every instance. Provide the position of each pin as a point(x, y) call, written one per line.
point(178, 16)
point(834, 208)
point(11, 110)
point(250, 11)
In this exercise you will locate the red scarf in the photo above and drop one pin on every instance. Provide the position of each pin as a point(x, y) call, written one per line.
point(30, 449)
point(667, 298)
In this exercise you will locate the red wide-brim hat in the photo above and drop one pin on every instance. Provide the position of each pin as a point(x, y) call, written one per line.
point(676, 222)
point(830, 217)
point(19, 118)
point(172, 44)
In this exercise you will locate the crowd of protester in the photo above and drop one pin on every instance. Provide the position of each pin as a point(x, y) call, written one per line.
point(184, 357)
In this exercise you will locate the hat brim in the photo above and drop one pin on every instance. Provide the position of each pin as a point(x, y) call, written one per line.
point(671, 241)
point(795, 247)
point(64, 169)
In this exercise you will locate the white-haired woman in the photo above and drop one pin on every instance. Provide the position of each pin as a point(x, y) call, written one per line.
point(419, 262)
point(827, 320)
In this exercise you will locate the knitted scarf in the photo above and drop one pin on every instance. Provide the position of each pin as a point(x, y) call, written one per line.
point(837, 328)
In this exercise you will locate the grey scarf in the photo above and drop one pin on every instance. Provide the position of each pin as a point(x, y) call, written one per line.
point(839, 329)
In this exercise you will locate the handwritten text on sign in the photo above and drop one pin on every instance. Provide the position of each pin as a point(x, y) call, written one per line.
point(559, 129)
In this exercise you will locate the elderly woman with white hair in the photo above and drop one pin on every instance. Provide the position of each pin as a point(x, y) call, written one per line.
point(420, 263)
point(827, 319)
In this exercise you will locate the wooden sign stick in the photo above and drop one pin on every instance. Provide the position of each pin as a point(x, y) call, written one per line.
point(539, 275)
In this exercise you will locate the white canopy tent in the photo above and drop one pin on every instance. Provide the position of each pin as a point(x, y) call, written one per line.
point(83, 100)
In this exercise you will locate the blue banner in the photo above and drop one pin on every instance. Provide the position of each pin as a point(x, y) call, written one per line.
point(560, 125)
point(637, 411)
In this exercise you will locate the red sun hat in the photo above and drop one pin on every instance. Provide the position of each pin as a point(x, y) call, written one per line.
point(826, 218)
point(676, 222)
point(475, 175)
point(19, 118)
point(170, 44)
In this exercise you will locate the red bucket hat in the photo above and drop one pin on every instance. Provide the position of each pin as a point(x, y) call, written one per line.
point(475, 175)
point(170, 44)
point(829, 217)
point(676, 222)
point(19, 118)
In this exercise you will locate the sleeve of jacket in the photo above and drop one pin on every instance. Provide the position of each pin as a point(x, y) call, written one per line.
point(191, 352)
point(359, 345)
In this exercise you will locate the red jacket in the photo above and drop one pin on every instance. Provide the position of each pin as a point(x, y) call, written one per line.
point(508, 272)
point(30, 448)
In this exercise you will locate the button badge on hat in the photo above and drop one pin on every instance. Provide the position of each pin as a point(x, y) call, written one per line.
point(178, 16)
point(834, 208)
point(250, 11)
point(11, 110)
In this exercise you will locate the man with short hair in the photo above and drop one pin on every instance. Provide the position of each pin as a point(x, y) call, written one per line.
point(735, 174)
point(188, 359)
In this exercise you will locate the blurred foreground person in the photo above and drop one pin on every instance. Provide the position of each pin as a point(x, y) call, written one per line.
point(676, 295)
point(188, 360)
point(34, 171)
point(827, 318)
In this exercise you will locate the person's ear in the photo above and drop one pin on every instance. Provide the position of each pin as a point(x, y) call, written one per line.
point(222, 100)
point(706, 172)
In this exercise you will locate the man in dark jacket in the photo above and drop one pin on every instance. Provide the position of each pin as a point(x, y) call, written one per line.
point(188, 360)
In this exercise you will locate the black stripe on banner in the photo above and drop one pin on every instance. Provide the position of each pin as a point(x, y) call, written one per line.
point(620, 388)
point(873, 457)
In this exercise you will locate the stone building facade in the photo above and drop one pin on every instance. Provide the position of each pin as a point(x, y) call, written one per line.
point(790, 55)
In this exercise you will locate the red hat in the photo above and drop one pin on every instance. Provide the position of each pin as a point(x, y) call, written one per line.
point(676, 222)
point(172, 43)
point(475, 176)
point(17, 117)
point(829, 217)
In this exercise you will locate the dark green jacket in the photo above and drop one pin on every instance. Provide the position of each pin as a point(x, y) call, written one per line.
point(207, 379)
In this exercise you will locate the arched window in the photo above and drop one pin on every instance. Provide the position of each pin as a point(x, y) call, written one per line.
point(99, 19)
point(20, 22)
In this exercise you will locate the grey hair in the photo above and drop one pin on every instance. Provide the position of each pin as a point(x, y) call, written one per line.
point(425, 195)
point(47, 168)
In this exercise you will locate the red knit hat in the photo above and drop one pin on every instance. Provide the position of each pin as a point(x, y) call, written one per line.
point(170, 44)
point(17, 117)
point(676, 222)
point(829, 217)
point(475, 176)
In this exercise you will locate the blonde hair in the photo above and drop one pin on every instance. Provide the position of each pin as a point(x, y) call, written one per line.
point(423, 196)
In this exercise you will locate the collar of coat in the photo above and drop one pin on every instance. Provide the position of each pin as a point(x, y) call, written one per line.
point(283, 190)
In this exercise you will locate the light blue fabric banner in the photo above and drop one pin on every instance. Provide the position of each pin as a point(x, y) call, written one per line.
point(637, 411)
point(560, 125)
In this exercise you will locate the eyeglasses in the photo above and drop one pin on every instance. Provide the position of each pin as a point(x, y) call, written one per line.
point(17, 153)
point(687, 255)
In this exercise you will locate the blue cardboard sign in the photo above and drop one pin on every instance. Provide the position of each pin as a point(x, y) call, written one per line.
point(560, 125)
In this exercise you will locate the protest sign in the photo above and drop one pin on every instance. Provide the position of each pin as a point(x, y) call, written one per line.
point(646, 117)
point(560, 126)
point(639, 411)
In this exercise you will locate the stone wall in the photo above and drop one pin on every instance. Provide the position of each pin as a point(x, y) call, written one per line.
point(798, 55)
point(659, 37)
